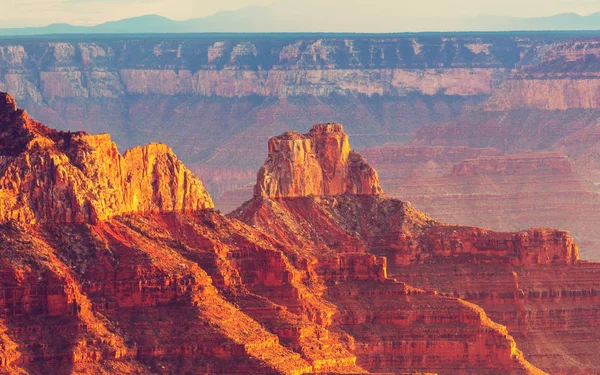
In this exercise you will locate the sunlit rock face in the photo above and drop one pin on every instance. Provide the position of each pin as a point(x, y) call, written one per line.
point(61, 177)
point(118, 264)
point(319, 163)
point(348, 229)
point(531, 281)
point(217, 100)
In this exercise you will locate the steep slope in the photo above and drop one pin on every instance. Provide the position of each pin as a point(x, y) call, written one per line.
point(317, 163)
point(164, 284)
point(530, 281)
point(483, 187)
point(217, 99)
point(550, 311)
point(51, 176)
point(351, 236)
point(118, 264)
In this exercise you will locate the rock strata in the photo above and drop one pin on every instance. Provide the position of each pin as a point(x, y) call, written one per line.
point(355, 239)
point(119, 264)
point(530, 281)
point(63, 177)
point(320, 163)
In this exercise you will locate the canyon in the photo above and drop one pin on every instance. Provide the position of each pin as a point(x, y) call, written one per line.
point(218, 99)
point(530, 281)
point(330, 276)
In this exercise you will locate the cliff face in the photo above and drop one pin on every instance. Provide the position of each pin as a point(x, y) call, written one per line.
point(551, 311)
point(329, 271)
point(528, 188)
point(243, 66)
point(386, 226)
point(218, 99)
point(166, 286)
point(319, 163)
point(351, 228)
point(51, 176)
point(284, 66)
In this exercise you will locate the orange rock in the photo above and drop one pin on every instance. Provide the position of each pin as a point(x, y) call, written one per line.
point(395, 327)
point(320, 163)
point(51, 176)
point(168, 285)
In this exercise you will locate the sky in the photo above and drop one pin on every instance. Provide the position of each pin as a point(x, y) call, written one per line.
point(19, 13)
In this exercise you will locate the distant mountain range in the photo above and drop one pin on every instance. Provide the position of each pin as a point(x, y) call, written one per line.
point(275, 18)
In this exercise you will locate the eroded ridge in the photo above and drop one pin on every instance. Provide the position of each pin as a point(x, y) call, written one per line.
point(63, 177)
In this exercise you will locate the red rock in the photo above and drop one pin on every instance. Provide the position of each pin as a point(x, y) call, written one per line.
point(339, 231)
point(503, 192)
point(171, 289)
point(51, 176)
point(166, 285)
point(319, 163)
point(516, 93)
point(550, 310)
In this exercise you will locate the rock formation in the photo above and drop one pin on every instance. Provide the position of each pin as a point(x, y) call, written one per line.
point(119, 264)
point(531, 281)
point(503, 132)
point(217, 101)
point(365, 238)
point(391, 227)
point(505, 192)
point(319, 163)
point(551, 311)
point(51, 176)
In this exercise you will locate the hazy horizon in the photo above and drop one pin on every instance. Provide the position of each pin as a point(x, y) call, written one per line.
point(375, 15)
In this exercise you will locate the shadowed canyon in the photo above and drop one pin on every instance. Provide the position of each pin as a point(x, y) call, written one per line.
point(119, 263)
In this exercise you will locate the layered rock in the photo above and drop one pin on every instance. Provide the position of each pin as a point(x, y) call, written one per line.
point(346, 230)
point(504, 192)
point(556, 93)
point(218, 100)
point(551, 311)
point(531, 281)
point(394, 327)
point(125, 297)
point(319, 163)
point(162, 288)
point(166, 285)
point(60, 177)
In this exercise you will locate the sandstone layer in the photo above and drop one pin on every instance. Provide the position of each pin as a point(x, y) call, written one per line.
point(60, 177)
point(217, 99)
point(351, 228)
point(319, 163)
point(119, 264)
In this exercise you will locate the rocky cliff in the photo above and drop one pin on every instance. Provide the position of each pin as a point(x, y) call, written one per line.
point(217, 99)
point(119, 264)
point(351, 228)
point(551, 311)
point(510, 191)
point(503, 99)
point(319, 163)
point(61, 177)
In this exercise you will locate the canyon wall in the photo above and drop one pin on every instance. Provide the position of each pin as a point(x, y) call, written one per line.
point(318, 163)
point(217, 99)
point(92, 283)
point(368, 233)
point(60, 177)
